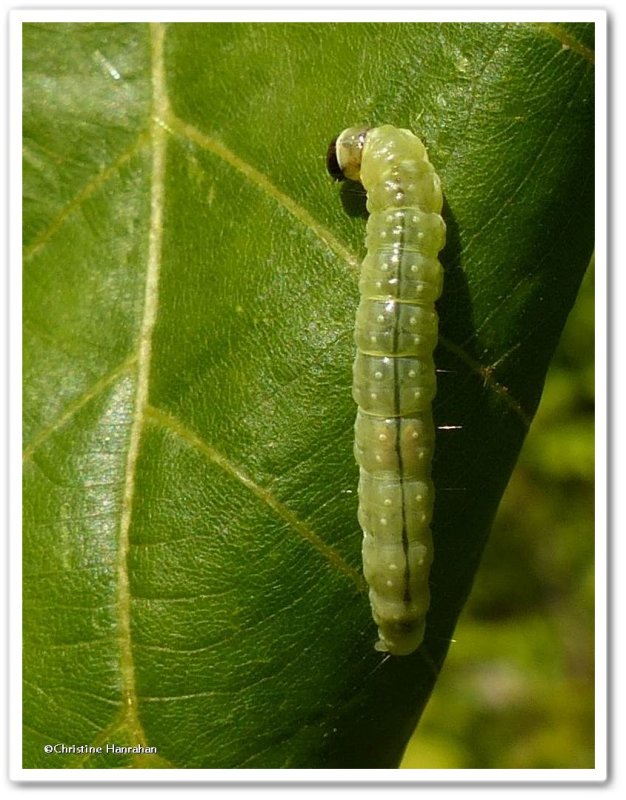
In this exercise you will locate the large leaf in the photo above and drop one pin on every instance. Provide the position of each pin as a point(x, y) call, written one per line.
point(191, 550)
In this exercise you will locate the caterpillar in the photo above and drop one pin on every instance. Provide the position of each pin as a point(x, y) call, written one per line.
point(394, 380)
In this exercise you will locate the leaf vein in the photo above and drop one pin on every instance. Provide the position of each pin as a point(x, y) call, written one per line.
point(489, 381)
point(186, 131)
point(94, 391)
point(566, 39)
point(79, 198)
point(212, 454)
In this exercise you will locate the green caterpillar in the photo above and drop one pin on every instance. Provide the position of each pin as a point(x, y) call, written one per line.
point(394, 374)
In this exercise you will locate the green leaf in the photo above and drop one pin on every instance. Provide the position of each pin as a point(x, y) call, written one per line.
point(191, 550)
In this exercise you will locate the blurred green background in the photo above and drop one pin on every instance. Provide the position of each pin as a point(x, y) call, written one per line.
point(516, 691)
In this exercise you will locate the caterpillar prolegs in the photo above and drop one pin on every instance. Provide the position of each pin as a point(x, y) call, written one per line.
point(394, 373)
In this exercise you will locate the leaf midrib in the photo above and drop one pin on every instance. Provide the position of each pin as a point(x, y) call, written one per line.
point(144, 357)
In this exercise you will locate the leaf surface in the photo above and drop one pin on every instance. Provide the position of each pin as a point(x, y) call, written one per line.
point(191, 549)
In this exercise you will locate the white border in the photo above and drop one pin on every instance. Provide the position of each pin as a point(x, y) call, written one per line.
point(366, 12)
point(601, 400)
point(397, 12)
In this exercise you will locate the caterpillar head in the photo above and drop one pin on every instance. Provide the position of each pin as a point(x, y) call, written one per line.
point(343, 159)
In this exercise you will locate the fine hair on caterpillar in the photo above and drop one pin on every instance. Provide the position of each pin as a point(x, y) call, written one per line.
point(394, 380)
